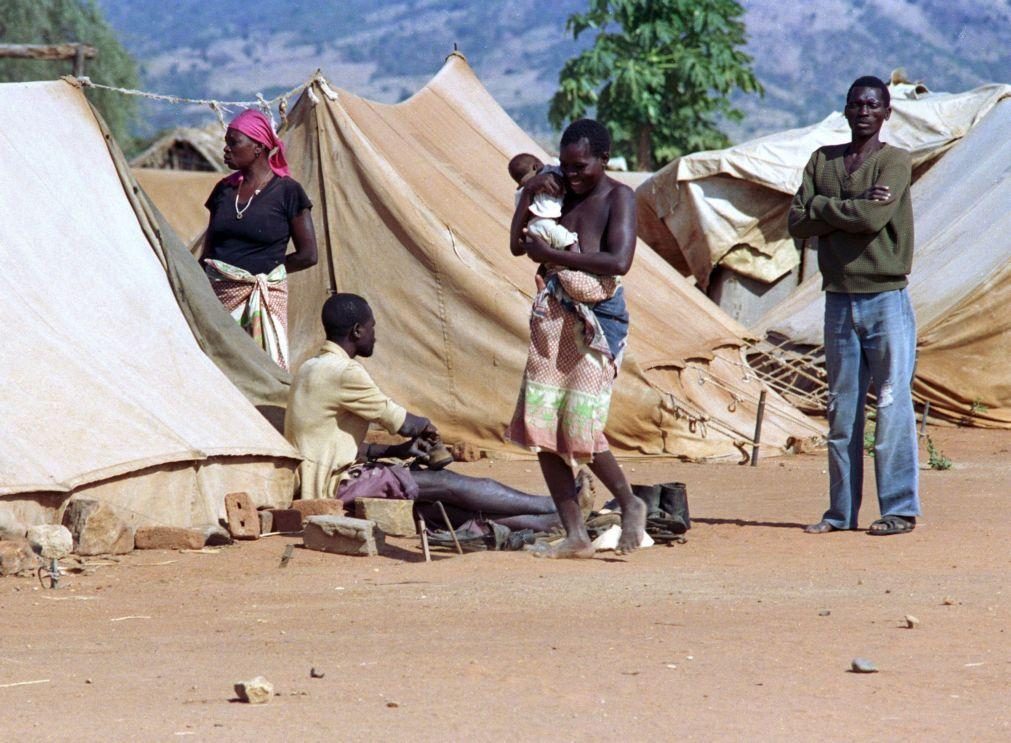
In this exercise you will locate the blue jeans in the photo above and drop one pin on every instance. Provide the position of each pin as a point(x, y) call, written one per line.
point(870, 337)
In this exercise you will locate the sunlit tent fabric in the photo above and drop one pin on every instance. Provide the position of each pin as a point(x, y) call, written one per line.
point(960, 285)
point(179, 196)
point(728, 207)
point(412, 206)
point(107, 394)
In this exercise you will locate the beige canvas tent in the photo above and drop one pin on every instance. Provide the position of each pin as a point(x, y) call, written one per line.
point(179, 195)
point(107, 393)
point(960, 285)
point(412, 206)
point(186, 148)
point(728, 207)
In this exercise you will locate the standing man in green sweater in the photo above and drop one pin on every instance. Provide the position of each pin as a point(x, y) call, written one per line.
point(855, 200)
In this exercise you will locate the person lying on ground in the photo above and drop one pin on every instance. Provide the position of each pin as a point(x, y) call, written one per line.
point(576, 347)
point(333, 400)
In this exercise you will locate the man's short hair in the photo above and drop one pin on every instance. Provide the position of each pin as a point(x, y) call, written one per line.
point(341, 312)
point(869, 81)
point(595, 134)
point(522, 164)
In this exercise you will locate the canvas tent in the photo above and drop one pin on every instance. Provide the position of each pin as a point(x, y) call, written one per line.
point(107, 393)
point(186, 148)
point(960, 285)
point(179, 196)
point(728, 207)
point(412, 208)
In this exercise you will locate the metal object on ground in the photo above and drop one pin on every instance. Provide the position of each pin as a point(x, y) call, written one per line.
point(758, 429)
point(52, 572)
point(923, 419)
point(424, 539)
point(286, 557)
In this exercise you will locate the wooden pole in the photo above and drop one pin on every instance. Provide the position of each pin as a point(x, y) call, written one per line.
point(79, 60)
point(758, 429)
point(48, 51)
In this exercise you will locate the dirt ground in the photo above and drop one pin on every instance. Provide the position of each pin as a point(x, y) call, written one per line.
point(745, 632)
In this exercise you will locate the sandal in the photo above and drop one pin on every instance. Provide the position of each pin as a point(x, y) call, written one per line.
point(887, 525)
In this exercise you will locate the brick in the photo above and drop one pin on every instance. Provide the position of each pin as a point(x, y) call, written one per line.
point(465, 452)
point(168, 538)
point(16, 556)
point(318, 507)
point(342, 535)
point(286, 519)
point(97, 528)
point(395, 517)
point(243, 523)
point(266, 521)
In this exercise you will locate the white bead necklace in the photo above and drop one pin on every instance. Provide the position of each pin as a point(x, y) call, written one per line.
point(239, 212)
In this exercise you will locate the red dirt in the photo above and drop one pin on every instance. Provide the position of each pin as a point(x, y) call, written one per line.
point(746, 631)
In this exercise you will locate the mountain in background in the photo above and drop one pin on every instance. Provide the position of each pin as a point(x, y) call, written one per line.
point(805, 53)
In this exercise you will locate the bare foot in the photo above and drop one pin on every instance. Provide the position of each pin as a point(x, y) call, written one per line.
point(633, 527)
point(569, 548)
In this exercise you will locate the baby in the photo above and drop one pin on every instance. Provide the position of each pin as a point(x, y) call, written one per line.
point(545, 210)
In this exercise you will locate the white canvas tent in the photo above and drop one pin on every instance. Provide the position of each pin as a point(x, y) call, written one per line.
point(960, 285)
point(107, 394)
point(728, 207)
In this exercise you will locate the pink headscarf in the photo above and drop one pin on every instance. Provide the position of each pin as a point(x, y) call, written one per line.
point(257, 127)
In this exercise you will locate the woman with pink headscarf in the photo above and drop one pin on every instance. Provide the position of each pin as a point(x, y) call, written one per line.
point(254, 213)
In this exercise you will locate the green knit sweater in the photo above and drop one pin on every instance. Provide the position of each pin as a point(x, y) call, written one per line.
point(863, 246)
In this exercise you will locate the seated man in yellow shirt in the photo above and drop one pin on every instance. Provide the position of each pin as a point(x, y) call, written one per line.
point(331, 404)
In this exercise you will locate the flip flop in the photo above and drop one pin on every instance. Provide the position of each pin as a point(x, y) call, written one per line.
point(892, 525)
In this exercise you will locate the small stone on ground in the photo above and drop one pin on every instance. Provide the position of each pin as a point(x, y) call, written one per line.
point(863, 665)
point(255, 691)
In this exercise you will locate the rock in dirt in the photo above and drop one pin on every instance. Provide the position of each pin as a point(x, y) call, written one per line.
point(10, 527)
point(216, 536)
point(863, 665)
point(255, 691)
point(16, 556)
point(97, 528)
point(911, 621)
point(394, 516)
point(50, 541)
point(342, 535)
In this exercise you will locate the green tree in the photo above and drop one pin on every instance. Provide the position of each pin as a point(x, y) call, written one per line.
point(63, 21)
point(659, 74)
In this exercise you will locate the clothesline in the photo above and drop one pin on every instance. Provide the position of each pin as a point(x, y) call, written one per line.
point(220, 108)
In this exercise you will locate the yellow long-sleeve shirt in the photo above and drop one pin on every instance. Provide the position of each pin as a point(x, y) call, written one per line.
point(331, 404)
